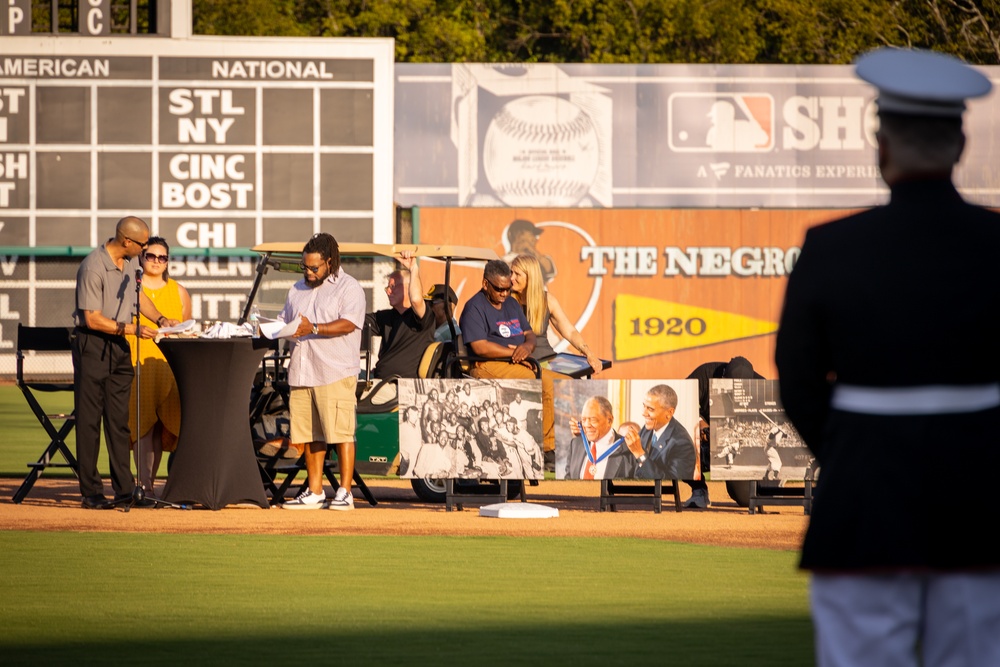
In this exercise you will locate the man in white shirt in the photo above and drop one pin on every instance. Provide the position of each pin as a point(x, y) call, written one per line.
point(519, 411)
point(410, 438)
point(523, 448)
point(466, 397)
point(324, 366)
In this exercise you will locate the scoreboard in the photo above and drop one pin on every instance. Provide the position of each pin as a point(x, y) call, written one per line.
point(218, 143)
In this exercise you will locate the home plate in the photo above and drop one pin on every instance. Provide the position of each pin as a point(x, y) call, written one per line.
point(518, 511)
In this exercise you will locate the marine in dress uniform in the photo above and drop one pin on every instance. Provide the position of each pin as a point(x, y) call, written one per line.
point(889, 367)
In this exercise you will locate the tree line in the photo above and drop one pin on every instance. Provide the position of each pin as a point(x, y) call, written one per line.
point(805, 32)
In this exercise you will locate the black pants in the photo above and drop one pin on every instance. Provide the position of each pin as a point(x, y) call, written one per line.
point(102, 379)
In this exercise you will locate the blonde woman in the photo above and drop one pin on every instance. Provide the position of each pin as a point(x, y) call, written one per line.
point(542, 309)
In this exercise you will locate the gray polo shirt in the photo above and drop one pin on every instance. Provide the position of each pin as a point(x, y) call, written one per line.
point(100, 285)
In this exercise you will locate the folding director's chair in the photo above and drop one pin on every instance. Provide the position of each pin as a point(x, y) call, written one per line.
point(44, 363)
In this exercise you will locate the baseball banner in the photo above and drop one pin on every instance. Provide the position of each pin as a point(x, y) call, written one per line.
point(652, 136)
point(656, 292)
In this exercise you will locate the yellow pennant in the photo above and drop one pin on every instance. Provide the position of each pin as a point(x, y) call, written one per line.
point(644, 327)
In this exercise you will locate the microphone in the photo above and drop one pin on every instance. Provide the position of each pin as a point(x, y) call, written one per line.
point(138, 276)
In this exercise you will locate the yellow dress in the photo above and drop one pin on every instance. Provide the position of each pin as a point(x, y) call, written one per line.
point(160, 400)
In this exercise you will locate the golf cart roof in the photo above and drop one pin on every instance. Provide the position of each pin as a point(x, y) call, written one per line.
point(286, 257)
point(389, 250)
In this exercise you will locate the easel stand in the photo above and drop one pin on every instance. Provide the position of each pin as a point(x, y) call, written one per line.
point(613, 494)
point(761, 496)
point(139, 493)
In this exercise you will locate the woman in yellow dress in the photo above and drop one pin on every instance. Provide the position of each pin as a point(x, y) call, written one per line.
point(161, 407)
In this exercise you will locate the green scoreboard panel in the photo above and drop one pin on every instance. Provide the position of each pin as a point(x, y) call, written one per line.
point(218, 143)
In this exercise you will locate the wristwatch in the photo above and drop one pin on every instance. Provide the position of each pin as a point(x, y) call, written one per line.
point(315, 329)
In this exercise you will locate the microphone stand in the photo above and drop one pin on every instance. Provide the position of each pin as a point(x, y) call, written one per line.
point(139, 493)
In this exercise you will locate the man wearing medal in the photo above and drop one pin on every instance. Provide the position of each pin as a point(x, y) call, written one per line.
point(597, 451)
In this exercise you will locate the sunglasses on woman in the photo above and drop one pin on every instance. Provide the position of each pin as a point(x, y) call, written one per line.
point(153, 257)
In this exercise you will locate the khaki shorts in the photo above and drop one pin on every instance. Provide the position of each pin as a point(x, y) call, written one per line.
point(323, 414)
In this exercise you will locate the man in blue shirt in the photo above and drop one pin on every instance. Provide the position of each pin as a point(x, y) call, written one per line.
point(494, 327)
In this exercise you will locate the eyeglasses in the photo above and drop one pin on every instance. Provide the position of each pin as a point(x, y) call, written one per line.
point(153, 257)
point(141, 245)
point(498, 290)
point(310, 269)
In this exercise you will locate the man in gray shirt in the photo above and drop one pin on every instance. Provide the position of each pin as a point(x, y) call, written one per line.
point(102, 362)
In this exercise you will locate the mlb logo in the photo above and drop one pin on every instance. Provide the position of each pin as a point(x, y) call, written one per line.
point(721, 122)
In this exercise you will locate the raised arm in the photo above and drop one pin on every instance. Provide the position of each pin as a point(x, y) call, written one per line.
point(416, 291)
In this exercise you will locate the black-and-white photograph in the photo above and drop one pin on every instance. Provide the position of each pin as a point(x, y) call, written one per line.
point(470, 429)
point(751, 437)
point(626, 429)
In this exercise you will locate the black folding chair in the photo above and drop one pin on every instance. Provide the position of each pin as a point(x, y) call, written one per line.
point(44, 362)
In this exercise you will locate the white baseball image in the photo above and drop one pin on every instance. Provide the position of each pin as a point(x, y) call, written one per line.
point(541, 150)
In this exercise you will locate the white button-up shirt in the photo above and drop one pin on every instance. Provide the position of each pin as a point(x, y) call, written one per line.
point(321, 360)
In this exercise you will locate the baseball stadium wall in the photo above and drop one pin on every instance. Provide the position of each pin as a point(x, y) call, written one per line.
point(654, 136)
point(668, 202)
point(657, 292)
point(218, 143)
point(223, 143)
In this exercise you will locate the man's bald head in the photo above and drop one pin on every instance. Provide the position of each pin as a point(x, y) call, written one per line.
point(133, 234)
point(133, 227)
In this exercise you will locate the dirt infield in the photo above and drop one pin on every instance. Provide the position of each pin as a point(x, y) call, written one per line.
point(55, 505)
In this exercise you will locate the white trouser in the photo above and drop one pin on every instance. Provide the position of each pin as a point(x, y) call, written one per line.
point(951, 620)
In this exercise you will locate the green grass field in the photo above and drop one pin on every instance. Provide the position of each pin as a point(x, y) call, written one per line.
point(98, 598)
point(94, 598)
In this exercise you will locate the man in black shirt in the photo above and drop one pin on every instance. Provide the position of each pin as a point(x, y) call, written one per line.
point(737, 367)
point(406, 327)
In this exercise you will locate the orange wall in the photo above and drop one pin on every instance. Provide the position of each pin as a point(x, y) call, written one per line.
point(650, 326)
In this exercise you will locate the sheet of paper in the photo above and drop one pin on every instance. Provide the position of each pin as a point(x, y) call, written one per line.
point(277, 329)
point(180, 328)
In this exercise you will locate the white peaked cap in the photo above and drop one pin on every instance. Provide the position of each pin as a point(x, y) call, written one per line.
point(913, 82)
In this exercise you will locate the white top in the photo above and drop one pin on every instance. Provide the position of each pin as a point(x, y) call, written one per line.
point(519, 411)
point(320, 360)
point(915, 82)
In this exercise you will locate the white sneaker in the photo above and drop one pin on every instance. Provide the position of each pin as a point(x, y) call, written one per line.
point(307, 500)
point(343, 500)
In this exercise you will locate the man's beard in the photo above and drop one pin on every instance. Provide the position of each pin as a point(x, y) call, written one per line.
point(315, 282)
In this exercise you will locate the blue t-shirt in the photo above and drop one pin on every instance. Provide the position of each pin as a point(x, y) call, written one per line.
point(481, 321)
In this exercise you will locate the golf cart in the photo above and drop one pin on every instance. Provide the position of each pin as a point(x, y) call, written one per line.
point(377, 434)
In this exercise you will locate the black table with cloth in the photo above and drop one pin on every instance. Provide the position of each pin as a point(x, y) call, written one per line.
point(215, 464)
